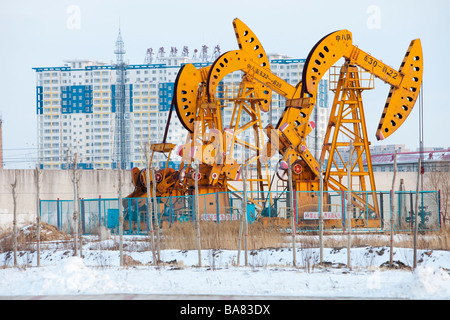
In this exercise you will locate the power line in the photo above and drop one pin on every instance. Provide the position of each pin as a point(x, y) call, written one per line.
point(17, 149)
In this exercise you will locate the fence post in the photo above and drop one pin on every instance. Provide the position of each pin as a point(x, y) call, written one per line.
point(138, 218)
point(171, 221)
point(245, 219)
point(217, 208)
point(81, 224)
point(58, 212)
point(100, 212)
point(130, 225)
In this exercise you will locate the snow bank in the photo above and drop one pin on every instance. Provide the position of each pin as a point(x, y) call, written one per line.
point(269, 273)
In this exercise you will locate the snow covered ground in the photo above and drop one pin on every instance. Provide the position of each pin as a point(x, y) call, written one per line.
point(270, 272)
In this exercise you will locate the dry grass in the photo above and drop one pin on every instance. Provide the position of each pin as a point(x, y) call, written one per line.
point(26, 237)
point(225, 236)
point(439, 240)
point(220, 236)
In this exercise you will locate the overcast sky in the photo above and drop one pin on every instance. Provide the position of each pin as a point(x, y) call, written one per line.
point(44, 33)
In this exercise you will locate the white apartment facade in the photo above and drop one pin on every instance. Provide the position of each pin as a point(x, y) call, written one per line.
point(76, 106)
point(76, 112)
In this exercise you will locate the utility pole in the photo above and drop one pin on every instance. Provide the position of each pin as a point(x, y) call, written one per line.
point(420, 170)
point(391, 255)
point(416, 212)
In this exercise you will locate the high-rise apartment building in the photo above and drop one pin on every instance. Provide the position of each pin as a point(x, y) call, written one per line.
point(107, 113)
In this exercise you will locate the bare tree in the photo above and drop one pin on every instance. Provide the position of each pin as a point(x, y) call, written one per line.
point(38, 220)
point(14, 195)
point(349, 206)
point(149, 201)
point(156, 217)
point(292, 195)
point(440, 181)
point(76, 211)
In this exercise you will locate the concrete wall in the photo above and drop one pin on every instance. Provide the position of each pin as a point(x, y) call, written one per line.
point(56, 184)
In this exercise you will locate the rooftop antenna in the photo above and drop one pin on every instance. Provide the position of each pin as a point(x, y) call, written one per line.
point(120, 51)
point(120, 146)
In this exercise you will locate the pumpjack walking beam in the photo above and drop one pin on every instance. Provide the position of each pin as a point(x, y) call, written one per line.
point(405, 83)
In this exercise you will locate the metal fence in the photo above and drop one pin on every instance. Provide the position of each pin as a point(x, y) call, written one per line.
point(371, 211)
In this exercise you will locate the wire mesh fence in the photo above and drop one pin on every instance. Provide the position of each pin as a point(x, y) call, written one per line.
point(370, 211)
point(427, 219)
